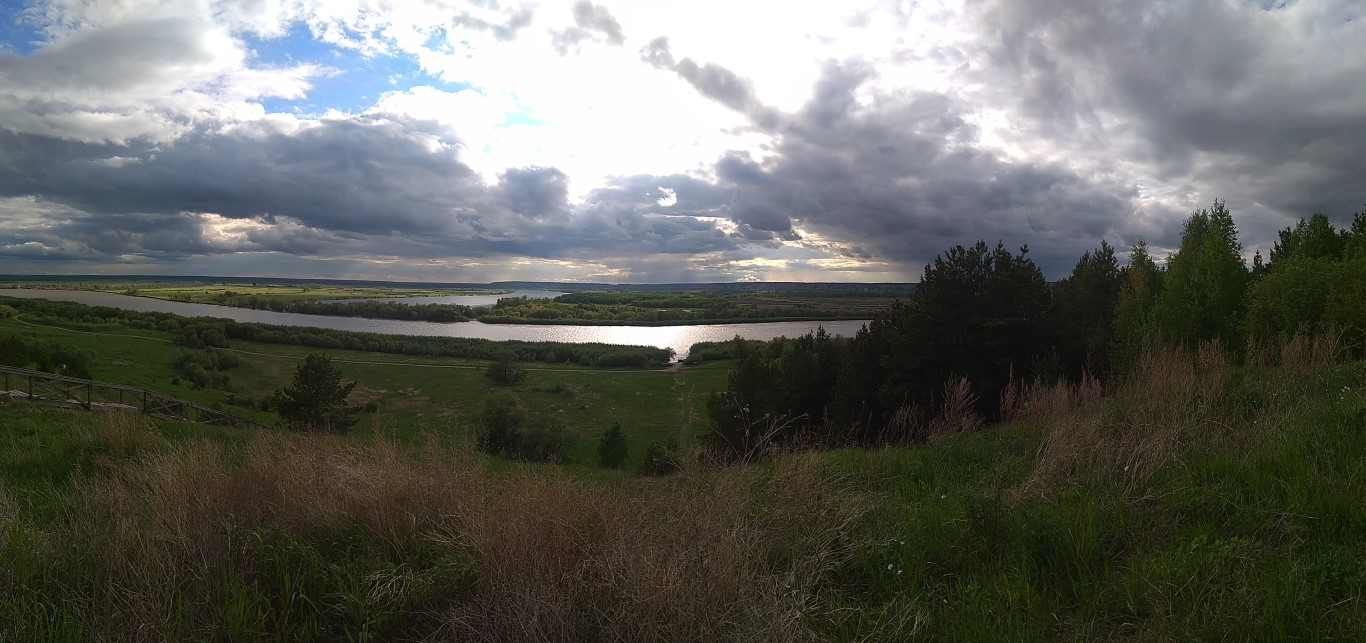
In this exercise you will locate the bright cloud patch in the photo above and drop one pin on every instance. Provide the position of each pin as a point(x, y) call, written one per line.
point(676, 141)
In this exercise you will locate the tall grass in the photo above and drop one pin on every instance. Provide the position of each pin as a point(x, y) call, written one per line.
point(315, 537)
point(1193, 499)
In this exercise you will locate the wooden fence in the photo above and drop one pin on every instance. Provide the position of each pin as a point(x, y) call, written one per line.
point(50, 388)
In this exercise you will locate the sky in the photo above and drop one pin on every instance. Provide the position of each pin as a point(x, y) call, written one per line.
point(650, 141)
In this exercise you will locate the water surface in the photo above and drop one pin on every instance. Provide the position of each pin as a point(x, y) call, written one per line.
point(680, 338)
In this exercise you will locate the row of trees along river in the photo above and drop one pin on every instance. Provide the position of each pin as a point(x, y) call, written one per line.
point(592, 307)
point(984, 319)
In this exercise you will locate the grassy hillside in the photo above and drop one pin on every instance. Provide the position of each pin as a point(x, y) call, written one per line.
point(1193, 501)
point(420, 395)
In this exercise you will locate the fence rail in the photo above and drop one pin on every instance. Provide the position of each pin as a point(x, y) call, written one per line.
point(50, 388)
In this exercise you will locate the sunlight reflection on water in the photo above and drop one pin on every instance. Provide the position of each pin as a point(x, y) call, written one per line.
point(679, 338)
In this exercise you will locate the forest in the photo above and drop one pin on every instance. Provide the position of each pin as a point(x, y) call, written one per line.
point(984, 324)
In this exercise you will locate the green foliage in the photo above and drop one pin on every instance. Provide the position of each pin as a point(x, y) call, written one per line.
point(616, 307)
point(1202, 296)
point(1292, 296)
point(500, 425)
point(20, 351)
point(316, 400)
point(543, 440)
point(979, 313)
point(1140, 284)
point(612, 448)
point(1312, 238)
point(200, 333)
point(1355, 245)
point(203, 368)
point(736, 348)
point(505, 371)
point(661, 459)
point(1317, 280)
point(1084, 317)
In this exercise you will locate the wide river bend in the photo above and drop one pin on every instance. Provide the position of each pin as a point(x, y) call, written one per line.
point(679, 338)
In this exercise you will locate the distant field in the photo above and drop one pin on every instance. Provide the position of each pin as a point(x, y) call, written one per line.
point(220, 293)
point(423, 395)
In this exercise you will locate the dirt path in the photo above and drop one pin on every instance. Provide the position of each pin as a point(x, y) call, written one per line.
point(685, 402)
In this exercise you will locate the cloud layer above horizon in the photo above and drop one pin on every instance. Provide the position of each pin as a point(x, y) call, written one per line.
point(652, 142)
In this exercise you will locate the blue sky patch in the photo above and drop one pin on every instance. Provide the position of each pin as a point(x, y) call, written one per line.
point(17, 34)
point(357, 82)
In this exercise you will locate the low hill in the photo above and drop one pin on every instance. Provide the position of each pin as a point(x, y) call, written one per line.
point(1194, 500)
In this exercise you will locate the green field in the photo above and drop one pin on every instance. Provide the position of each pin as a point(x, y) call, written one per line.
point(224, 292)
point(1231, 528)
point(1192, 500)
point(421, 395)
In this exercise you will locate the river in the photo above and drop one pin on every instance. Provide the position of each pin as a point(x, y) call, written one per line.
point(679, 338)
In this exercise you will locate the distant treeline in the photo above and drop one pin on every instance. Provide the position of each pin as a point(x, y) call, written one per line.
point(200, 332)
point(587, 308)
point(984, 322)
point(602, 307)
point(443, 313)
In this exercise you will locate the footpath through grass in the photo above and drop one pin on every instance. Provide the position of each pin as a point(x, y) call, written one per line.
point(1194, 501)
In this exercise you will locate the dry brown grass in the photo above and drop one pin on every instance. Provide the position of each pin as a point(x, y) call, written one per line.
point(120, 433)
point(724, 554)
point(1169, 400)
point(1305, 352)
point(908, 425)
point(958, 412)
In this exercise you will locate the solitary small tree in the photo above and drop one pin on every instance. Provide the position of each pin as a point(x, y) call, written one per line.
point(316, 400)
point(612, 448)
point(500, 425)
point(504, 371)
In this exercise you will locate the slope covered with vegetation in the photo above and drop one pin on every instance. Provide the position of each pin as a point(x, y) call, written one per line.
point(1195, 499)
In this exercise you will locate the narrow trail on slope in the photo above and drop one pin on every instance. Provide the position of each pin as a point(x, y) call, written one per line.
point(685, 403)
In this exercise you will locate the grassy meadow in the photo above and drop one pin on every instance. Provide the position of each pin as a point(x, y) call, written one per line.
point(219, 291)
point(420, 396)
point(1194, 500)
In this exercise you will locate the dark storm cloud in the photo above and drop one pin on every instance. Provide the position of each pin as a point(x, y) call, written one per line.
point(694, 196)
point(534, 191)
point(1263, 105)
point(365, 175)
point(713, 81)
point(905, 178)
point(375, 186)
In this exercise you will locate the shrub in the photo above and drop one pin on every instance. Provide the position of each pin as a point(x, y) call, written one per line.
point(504, 371)
point(500, 425)
point(661, 459)
point(612, 448)
point(542, 441)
